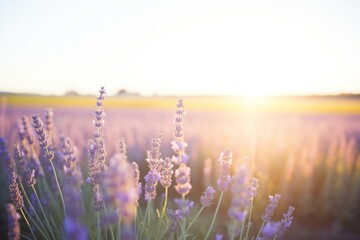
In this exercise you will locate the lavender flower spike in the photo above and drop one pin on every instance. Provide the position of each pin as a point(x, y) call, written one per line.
point(151, 180)
point(285, 223)
point(13, 222)
point(208, 196)
point(225, 162)
point(166, 172)
point(14, 190)
point(121, 191)
point(270, 209)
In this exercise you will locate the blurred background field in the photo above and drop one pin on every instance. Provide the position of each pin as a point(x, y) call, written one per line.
point(305, 148)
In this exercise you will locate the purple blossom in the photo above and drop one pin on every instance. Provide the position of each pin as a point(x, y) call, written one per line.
point(151, 180)
point(225, 161)
point(184, 205)
point(218, 237)
point(240, 194)
point(74, 230)
point(285, 223)
point(166, 172)
point(153, 156)
point(14, 190)
point(13, 226)
point(29, 176)
point(121, 191)
point(207, 197)
point(270, 209)
point(270, 229)
point(182, 177)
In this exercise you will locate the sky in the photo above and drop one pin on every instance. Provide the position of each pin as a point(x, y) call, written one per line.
point(186, 47)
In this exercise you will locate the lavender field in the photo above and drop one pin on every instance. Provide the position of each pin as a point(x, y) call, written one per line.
point(310, 159)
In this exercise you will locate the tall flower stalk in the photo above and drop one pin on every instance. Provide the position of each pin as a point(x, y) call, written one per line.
point(48, 154)
point(223, 181)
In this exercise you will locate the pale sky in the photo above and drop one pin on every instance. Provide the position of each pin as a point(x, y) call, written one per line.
point(182, 47)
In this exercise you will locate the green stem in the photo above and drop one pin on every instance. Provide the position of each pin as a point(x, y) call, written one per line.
point(98, 225)
point(27, 222)
point(145, 216)
point(249, 219)
point(43, 212)
point(111, 229)
point(58, 186)
point(262, 226)
point(242, 229)
point(30, 204)
point(214, 217)
point(165, 203)
point(119, 229)
point(37, 226)
point(194, 219)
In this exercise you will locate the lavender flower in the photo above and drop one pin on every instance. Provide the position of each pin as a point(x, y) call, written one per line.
point(97, 152)
point(270, 229)
point(176, 216)
point(25, 130)
point(70, 164)
point(184, 205)
point(166, 172)
point(240, 194)
point(270, 209)
point(19, 157)
point(121, 191)
point(182, 177)
point(14, 190)
point(225, 162)
point(153, 156)
point(74, 230)
point(285, 223)
point(151, 180)
point(218, 237)
point(49, 125)
point(136, 176)
point(208, 196)
point(29, 176)
point(122, 148)
point(13, 217)
point(8, 162)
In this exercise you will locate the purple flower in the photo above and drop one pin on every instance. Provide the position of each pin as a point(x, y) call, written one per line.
point(14, 190)
point(285, 223)
point(270, 229)
point(182, 177)
point(207, 197)
point(270, 209)
point(218, 237)
point(225, 161)
point(29, 176)
point(184, 205)
point(74, 230)
point(13, 227)
point(166, 172)
point(121, 191)
point(153, 156)
point(151, 180)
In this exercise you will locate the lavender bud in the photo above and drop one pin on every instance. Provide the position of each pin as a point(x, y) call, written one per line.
point(14, 190)
point(285, 223)
point(208, 196)
point(270, 209)
point(151, 180)
point(166, 172)
point(225, 160)
point(29, 176)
